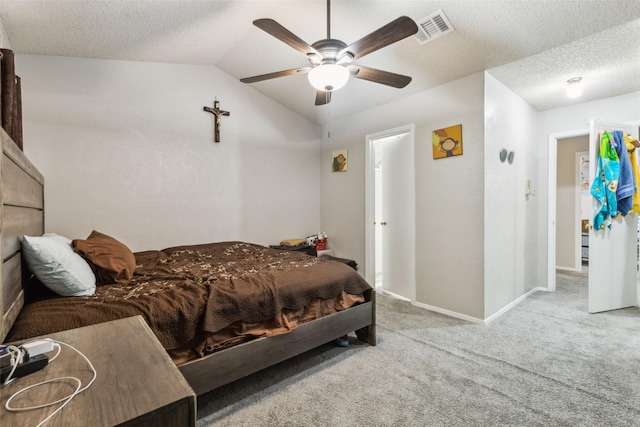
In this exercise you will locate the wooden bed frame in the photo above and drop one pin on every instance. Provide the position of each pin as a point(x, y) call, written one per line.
point(22, 212)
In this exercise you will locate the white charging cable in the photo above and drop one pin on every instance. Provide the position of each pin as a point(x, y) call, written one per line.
point(78, 386)
point(16, 357)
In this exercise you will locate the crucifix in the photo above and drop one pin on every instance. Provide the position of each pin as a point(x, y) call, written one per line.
point(216, 111)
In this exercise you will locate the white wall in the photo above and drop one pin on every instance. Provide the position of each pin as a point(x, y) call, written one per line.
point(449, 192)
point(126, 148)
point(509, 215)
point(5, 43)
point(620, 109)
point(475, 228)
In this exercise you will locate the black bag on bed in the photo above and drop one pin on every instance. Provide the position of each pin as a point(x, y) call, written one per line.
point(351, 263)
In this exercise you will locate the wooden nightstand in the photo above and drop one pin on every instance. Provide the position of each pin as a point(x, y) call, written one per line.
point(137, 384)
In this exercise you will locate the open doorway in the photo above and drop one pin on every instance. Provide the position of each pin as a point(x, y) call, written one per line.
point(573, 204)
point(554, 167)
point(390, 211)
point(612, 247)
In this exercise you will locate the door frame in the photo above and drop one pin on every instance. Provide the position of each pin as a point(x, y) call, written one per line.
point(551, 200)
point(370, 240)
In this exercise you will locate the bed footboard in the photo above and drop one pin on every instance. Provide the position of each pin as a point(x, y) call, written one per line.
point(368, 333)
point(236, 362)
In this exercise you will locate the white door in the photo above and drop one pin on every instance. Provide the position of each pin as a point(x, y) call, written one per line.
point(612, 252)
point(397, 213)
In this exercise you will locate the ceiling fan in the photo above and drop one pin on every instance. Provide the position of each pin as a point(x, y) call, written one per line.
point(331, 59)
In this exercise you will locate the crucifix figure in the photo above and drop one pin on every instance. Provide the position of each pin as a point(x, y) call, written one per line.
point(216, 111)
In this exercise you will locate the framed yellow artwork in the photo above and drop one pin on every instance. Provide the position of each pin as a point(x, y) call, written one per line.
point(339, 161)
point(447, 142)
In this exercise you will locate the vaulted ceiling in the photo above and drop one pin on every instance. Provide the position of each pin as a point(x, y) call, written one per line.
point(533, 47)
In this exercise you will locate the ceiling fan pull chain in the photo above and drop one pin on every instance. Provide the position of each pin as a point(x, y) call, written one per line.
point(328, 118)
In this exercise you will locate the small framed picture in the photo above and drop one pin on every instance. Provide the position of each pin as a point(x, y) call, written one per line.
point(447, 142)
point(339, 161)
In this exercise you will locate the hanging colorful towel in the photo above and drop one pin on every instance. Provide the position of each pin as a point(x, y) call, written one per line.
point(626, 182)
point(605, 183)
point(632, 145)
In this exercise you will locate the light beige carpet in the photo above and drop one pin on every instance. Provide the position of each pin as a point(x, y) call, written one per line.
point(546, 362)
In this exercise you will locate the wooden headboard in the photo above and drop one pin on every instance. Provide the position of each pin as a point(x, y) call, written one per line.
point(21, 212)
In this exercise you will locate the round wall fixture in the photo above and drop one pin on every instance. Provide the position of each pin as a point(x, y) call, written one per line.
point(503, 155)
point(510, 157)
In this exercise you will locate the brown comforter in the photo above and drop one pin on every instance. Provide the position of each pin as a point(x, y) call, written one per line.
point(189, 292)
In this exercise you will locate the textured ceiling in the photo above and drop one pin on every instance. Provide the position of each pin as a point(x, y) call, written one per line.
point(533, 47)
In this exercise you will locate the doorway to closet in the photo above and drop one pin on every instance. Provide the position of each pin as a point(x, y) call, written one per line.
point(390, 211)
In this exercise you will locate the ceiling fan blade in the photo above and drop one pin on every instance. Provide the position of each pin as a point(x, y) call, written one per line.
point(378, 76)
point(394, 31)
point(323, 98)
point(281, 33)
point(268, 76)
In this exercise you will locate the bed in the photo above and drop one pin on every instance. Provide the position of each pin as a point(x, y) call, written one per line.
point(317, 300)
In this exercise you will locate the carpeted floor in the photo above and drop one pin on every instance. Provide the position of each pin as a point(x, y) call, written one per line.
point(546, 362)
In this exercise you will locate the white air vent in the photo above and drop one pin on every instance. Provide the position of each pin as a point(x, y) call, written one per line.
point(433, 26)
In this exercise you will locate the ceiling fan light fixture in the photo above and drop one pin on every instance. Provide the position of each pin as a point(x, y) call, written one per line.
point(574, 87)
point(331, 58)
point(328, 77)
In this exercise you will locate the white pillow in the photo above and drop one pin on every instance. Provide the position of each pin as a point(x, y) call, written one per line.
point(52, 260)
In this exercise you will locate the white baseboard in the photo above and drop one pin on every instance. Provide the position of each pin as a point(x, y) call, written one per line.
point(559, 267)
point(448, 312)
point(511, 305)
point(475, 319)
point(383, 291)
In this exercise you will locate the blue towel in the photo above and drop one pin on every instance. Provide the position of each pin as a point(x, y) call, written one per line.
point(626, 182)
point(605, 183)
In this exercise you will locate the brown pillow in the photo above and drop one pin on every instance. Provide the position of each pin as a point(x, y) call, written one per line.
point(111, 260)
